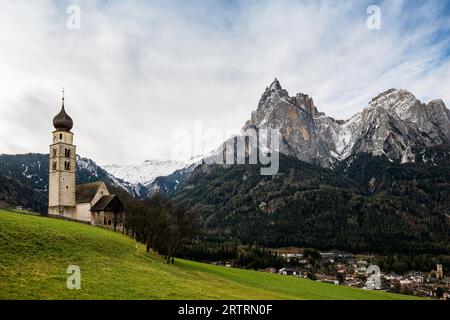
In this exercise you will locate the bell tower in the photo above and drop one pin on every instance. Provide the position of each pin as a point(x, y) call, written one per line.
point(62, 167)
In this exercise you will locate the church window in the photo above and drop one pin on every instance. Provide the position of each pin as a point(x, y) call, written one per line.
point(54, 153)
point(68, 153)
point(54, 165)
point(60, 136)
point(66, 165)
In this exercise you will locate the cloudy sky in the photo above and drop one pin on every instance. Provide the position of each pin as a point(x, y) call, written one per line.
point(136, 71)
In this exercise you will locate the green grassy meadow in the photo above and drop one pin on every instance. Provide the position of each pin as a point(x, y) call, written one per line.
point(35, 253)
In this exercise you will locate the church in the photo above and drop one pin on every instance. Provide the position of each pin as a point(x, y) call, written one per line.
point(89, 203)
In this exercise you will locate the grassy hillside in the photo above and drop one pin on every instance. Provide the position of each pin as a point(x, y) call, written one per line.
point(35, 253)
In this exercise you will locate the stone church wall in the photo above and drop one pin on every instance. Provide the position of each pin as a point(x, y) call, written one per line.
point(83, 212)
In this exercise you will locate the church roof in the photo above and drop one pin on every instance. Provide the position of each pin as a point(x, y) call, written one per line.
point(86, 192)
point(62, 121)
point(108, 203)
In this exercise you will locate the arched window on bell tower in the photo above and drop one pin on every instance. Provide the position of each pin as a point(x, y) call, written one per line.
point(67, 165)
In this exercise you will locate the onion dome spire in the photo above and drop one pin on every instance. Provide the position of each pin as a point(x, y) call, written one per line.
point(62, 121)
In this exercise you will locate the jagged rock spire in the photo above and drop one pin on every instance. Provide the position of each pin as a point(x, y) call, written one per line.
point(275, 85)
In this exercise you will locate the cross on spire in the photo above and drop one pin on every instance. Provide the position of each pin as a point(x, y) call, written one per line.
point(63, 92)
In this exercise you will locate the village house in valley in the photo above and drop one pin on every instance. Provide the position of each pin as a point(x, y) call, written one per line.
point(89, 203)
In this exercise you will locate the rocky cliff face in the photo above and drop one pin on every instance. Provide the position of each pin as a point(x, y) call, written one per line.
point(293, 117)
point(395, 124)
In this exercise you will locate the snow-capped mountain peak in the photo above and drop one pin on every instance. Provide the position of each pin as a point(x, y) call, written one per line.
point(394, 123)
point(399, 101)
point(146, 172)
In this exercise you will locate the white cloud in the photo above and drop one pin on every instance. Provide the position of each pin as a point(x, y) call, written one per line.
point(137, 71)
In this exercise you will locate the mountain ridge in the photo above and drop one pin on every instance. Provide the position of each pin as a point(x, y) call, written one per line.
point(394, 123)
point(146, 172)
